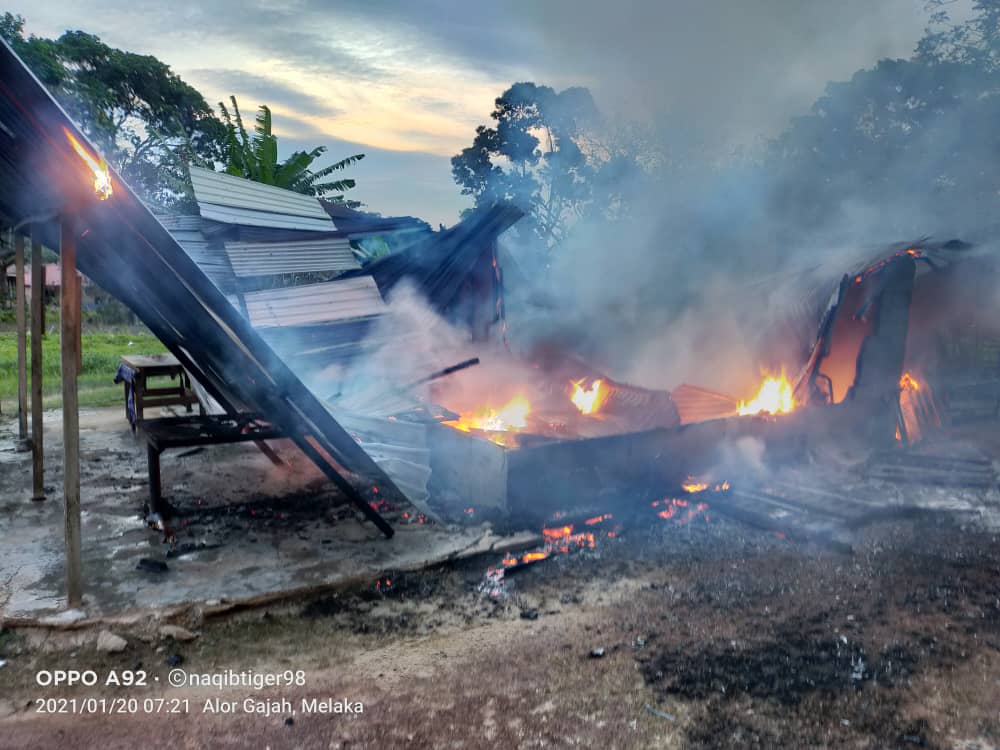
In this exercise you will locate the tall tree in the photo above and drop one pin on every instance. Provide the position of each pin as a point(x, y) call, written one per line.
point(145, 119)
point(544, 155)
point(905, 147)
point(255, 157)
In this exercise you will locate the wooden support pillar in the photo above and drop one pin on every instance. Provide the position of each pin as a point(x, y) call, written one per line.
point(4, 291)
point(22, 340)
point(37, 329)
point(69, 345)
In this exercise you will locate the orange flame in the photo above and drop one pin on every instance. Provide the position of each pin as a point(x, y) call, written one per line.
point(692, 485)
point(909, 383)
point(533, 556)
point(557, 541)
point(674, 504)
point(510, 418)
point(102, 178)
point(559, 533)
point(588, 400)
point(774, 397)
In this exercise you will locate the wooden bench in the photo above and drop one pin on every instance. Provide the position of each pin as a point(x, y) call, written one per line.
point(186, 432)
point(140, 369)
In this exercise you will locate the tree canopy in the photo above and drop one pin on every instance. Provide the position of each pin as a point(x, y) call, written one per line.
point(254, 156)
point(150, 124)
point(145, 119)
point(546, 155)
point(904, 147)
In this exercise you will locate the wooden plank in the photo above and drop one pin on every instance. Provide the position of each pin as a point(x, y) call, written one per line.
point(165, 363)
point(4, 288)
point(176, 393)
point(69, 345)
point(37, 329)
point(22, 340)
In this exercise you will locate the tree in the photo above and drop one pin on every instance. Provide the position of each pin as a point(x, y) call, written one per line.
point(976, 41)
point(146, 120)
point(903, 148)
point(255, 157)
point(544, 155)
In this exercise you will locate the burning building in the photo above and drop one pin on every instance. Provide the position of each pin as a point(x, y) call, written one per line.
point(524, 432)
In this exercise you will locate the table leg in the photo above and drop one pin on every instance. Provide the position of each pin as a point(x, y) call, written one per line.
point(128, 416)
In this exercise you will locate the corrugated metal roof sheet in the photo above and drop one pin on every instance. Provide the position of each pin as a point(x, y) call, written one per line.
point(312, 348)
point(399, 448)
point(252, 218)
point(361, 223)
point(695, 404)
point(331, 301)
point(176, 223)
point(211, 259)
point(233, 200)
point(301, 256)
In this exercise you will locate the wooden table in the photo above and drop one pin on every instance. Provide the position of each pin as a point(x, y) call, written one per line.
point(141, 368)
point(184, 432)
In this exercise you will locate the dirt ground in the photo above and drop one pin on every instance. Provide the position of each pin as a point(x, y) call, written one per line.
point(713, 635)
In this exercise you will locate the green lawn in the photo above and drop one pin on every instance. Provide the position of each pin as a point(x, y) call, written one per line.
point(101, 353)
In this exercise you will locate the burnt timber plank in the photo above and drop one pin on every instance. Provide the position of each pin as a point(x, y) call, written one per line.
point(123, 248)
point(930, 469)
point(769, 513)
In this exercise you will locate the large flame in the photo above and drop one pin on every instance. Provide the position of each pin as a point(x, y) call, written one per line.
point(693, 485)
point(102, 177)
point(513, 416)
point(774, 397)
point(588, 400)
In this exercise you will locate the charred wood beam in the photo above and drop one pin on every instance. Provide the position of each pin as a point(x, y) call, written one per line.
point(880, 361)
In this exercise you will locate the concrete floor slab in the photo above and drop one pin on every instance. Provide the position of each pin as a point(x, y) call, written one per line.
point(247, 528)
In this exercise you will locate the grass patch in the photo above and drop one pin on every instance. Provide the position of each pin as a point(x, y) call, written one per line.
point(101, 355)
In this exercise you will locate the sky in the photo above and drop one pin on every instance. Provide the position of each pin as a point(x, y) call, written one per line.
point(407, 82)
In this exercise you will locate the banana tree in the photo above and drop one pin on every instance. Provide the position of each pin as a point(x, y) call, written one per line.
point(255, 157)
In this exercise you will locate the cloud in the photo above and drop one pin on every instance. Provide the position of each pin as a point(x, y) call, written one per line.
point(394, 183)
point(262, 90)
point(419, 77)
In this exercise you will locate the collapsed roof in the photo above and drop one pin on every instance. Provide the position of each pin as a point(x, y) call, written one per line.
point(123, 248)
point(441, 263)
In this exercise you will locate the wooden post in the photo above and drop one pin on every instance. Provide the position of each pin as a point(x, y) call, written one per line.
point(4, 292)
point(69, 344)
point(37, 325)
point(22, 340)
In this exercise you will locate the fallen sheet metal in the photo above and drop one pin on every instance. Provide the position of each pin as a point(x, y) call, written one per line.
point(123, 247)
